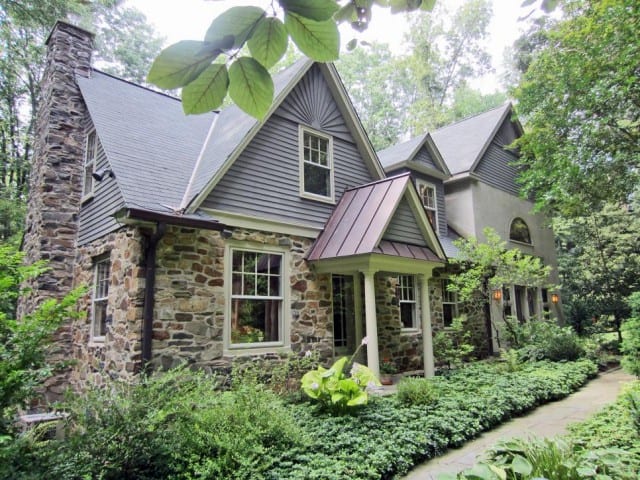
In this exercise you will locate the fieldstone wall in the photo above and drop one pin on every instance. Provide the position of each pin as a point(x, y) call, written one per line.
point(55, 180)
point(119, 356)
point(190, 299)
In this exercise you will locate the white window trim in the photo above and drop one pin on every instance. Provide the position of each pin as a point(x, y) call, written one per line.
point(435, 199)
point(89, 195)
point(94, 299)
point(285, 325)
point(416, 317)
point(312, 196)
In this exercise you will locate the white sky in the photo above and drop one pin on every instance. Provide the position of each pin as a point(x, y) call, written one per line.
point(189, 19)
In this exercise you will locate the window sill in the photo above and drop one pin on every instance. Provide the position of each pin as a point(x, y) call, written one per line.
point(317, 198)
point(97, 342)
point(409, 331)
point(256, 349)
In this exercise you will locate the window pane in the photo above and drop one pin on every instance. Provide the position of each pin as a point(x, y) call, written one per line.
point(236, 284)
point(255, 321)
point(317, 180)
point(448, 314)
point(99, 318)
point(519, 231)
point(407, 314)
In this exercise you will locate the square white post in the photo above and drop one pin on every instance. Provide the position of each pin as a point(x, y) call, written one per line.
point(373, 360)
point(427, 333)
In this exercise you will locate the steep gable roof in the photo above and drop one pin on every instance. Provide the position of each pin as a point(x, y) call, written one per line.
point(463, 143)
point(361, 218)
point(237, 129)
point(150, 144)
point(406, 153)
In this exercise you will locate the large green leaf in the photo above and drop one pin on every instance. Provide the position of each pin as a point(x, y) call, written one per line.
point(206, 92)
point(250, 86)
point(521, 465)
point(269, 41)
point(318, 10)
point(319, 41)
point(237, 22)
point(311, 383)
point(181, 63)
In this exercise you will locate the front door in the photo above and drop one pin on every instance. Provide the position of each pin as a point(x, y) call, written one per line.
point(343, 315)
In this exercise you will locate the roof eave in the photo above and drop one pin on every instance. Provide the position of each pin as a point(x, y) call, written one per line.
point(135, 216)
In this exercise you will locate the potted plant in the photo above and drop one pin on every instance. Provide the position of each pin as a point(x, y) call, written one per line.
point(387, 370)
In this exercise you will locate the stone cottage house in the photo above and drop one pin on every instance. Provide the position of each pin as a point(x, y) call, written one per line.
point(218, 236)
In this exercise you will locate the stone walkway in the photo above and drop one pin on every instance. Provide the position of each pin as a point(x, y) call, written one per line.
point(548, 420)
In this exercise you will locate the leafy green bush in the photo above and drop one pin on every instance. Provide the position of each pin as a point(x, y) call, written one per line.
point(174, 425)
point(452, 346)
point(417, 391)
point(543, 339)
point(631, 338)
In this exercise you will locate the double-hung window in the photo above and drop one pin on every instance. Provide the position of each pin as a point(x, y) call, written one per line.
point(407, 301)
point(89, 165)
point(428, 198)
point(256, 298)
point(449, 304)
point(316, 165)
point(100, 299)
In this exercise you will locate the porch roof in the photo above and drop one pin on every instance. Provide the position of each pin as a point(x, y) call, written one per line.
point(361, 218)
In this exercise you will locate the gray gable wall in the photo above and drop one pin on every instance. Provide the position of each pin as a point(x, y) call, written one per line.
point(96, 217)
point(403, 226)
point(264, 180)
point(424, 157)
point(496, 166)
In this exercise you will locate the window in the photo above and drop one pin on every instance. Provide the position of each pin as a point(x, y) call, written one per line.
point(519, 231)
point(99, 318)
point(449, 303)
point(89, 165)
point(256, 298)
point(316, 165)
point(407, 301)
point(428, 198)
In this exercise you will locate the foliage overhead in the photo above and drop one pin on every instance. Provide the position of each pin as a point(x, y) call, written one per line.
point(580, 99)
point(311, 25)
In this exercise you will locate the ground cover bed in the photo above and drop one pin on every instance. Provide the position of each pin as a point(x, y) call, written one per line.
point(179, 426)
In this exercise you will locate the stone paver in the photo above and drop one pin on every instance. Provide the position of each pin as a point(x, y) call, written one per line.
point(548, 421)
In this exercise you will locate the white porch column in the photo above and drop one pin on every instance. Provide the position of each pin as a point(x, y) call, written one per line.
point(427, 334)
point(357, 314)
point(373, 361)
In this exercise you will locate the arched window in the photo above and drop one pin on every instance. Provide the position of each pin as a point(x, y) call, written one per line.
point(519, 231)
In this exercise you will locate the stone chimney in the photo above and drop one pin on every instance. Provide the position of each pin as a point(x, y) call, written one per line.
point(55, 181)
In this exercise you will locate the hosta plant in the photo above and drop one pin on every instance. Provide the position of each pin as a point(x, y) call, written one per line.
point(335, 389)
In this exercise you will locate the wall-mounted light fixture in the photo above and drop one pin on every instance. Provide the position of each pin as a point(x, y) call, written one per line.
point(497, 294)
point(103, 172)
point(226, 233)
point(555, 298)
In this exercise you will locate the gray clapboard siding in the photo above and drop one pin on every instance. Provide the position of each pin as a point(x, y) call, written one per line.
point(507, 133)
point(496, 169)
point(311, 103)
point(96, 215)
point(264, 180)
point(404, 227)
point(424, 157)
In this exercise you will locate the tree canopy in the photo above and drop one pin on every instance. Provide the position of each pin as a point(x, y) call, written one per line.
point(580, 101)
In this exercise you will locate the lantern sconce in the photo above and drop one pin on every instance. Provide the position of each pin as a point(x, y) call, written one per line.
point(555, 298)
point(497, 294)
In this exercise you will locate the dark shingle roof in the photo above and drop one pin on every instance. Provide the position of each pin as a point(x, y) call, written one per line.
point(151, 145)
point(462, 143)
point(400, 152)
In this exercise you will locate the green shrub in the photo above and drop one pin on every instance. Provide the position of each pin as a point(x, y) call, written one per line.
point(417, 391)
point(631, 346)
point(540, 340)
point(172, 425)
point(452, 346)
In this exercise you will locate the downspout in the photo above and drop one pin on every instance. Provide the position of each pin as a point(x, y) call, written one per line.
point(149, 292)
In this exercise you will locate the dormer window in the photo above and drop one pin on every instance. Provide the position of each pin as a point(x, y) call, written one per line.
point(316, 165)
point(519, 231)
point(427, 193)
point(89, 166)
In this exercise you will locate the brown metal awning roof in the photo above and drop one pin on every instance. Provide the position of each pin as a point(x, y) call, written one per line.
point(360, 219)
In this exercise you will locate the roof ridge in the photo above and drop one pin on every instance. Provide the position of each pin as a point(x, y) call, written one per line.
point(505, 104)
point(382, 180)
point(134, 84)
